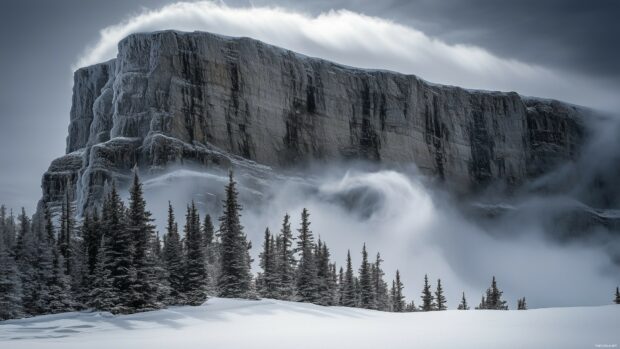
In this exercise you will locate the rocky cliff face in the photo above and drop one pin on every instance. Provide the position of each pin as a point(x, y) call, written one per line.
point(205, 100)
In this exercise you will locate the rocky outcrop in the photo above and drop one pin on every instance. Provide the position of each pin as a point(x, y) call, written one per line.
point(206, 100)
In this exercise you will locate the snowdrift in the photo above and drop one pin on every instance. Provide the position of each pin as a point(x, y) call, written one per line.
point(233, 323)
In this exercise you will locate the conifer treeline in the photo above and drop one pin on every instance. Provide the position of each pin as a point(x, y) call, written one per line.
point(116, 262)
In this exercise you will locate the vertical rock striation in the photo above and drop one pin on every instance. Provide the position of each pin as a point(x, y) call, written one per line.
point(203, 99)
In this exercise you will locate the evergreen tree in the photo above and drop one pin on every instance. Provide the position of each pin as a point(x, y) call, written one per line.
point(392, 295)
point(211, 255)
point(208, 233)
point(357, 288)
point(411, 307)
point(463, 305)
point(269, 279)
point(380, 286)
point(101, 295)
point(119, 250)
point(306, 270)
point(173, 260)
point(340, 286)
point(27, 259)
point(43, 265)
point(10, 284)
point(195, 282)
point(49, 226)
point(367, 294)
point(440, 299)
point(494, 298)
point(325, 281)
point(9, 231)
point(65, 236)
point(286, 261)
point(333, 285)
point(61, 299)
point(482, 305)
point(144, 288)
point(398, 300)
point(617, 298)
point(23, 235)
point(161, 273)
point(234, 280)
point(521, 304)
point(427, 296)
point(92, 239)
point(3, 227)
point(348, 285)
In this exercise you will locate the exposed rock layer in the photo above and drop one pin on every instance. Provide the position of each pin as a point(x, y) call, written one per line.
point(199, 98)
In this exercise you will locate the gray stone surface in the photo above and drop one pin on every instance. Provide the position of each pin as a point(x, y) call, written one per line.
point(203, 99)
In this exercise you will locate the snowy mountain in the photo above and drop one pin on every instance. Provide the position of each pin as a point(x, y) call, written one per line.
point(231, 323)
point(197, 99)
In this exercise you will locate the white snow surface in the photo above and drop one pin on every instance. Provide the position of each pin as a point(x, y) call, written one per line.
point(239, 324)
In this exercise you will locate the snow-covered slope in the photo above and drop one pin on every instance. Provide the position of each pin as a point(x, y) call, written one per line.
point(224, 323)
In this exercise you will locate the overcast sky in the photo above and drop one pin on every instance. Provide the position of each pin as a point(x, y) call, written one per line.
point(560, 49)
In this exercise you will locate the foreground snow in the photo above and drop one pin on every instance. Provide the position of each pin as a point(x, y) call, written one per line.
point(240, 324)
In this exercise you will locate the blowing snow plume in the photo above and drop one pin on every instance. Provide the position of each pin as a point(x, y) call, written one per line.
point(420, 229)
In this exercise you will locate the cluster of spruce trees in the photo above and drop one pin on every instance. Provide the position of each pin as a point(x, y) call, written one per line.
point(114, 261)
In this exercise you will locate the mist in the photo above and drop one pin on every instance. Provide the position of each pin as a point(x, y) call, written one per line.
point(530, 240)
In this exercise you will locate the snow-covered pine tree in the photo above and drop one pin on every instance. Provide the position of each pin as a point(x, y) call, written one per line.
point(286, 261)
point(211, 254)
point(482, 305)
point(10, 284)
point(411, 307)
point(91, 236)
point(27, 259)
point(195, 282)
point(324, 276)
point(427, 297)
point(356, 283)
point(333, 285)
point(161, 274)
point(234, 280)
point(398, 300)
point(3, 228)
point(23, 235)
point(440, 299)
point(367, 294)
point(57, 296)
point(44, 260)
point(9, 232)
point(463, 304)
point(101, 295)
point(392, 295)
point(61, 298)
point(65, 235)
point(340, 286)
point(494, 298)
point(119, 250)
point(348, 285)
point(617, 298)
point(380, 287)
point(173, 260)
point(50, 231)
point(268, 281)
point(208, 233)
point(521, 304)
point(307, 270)
point(144, 289)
